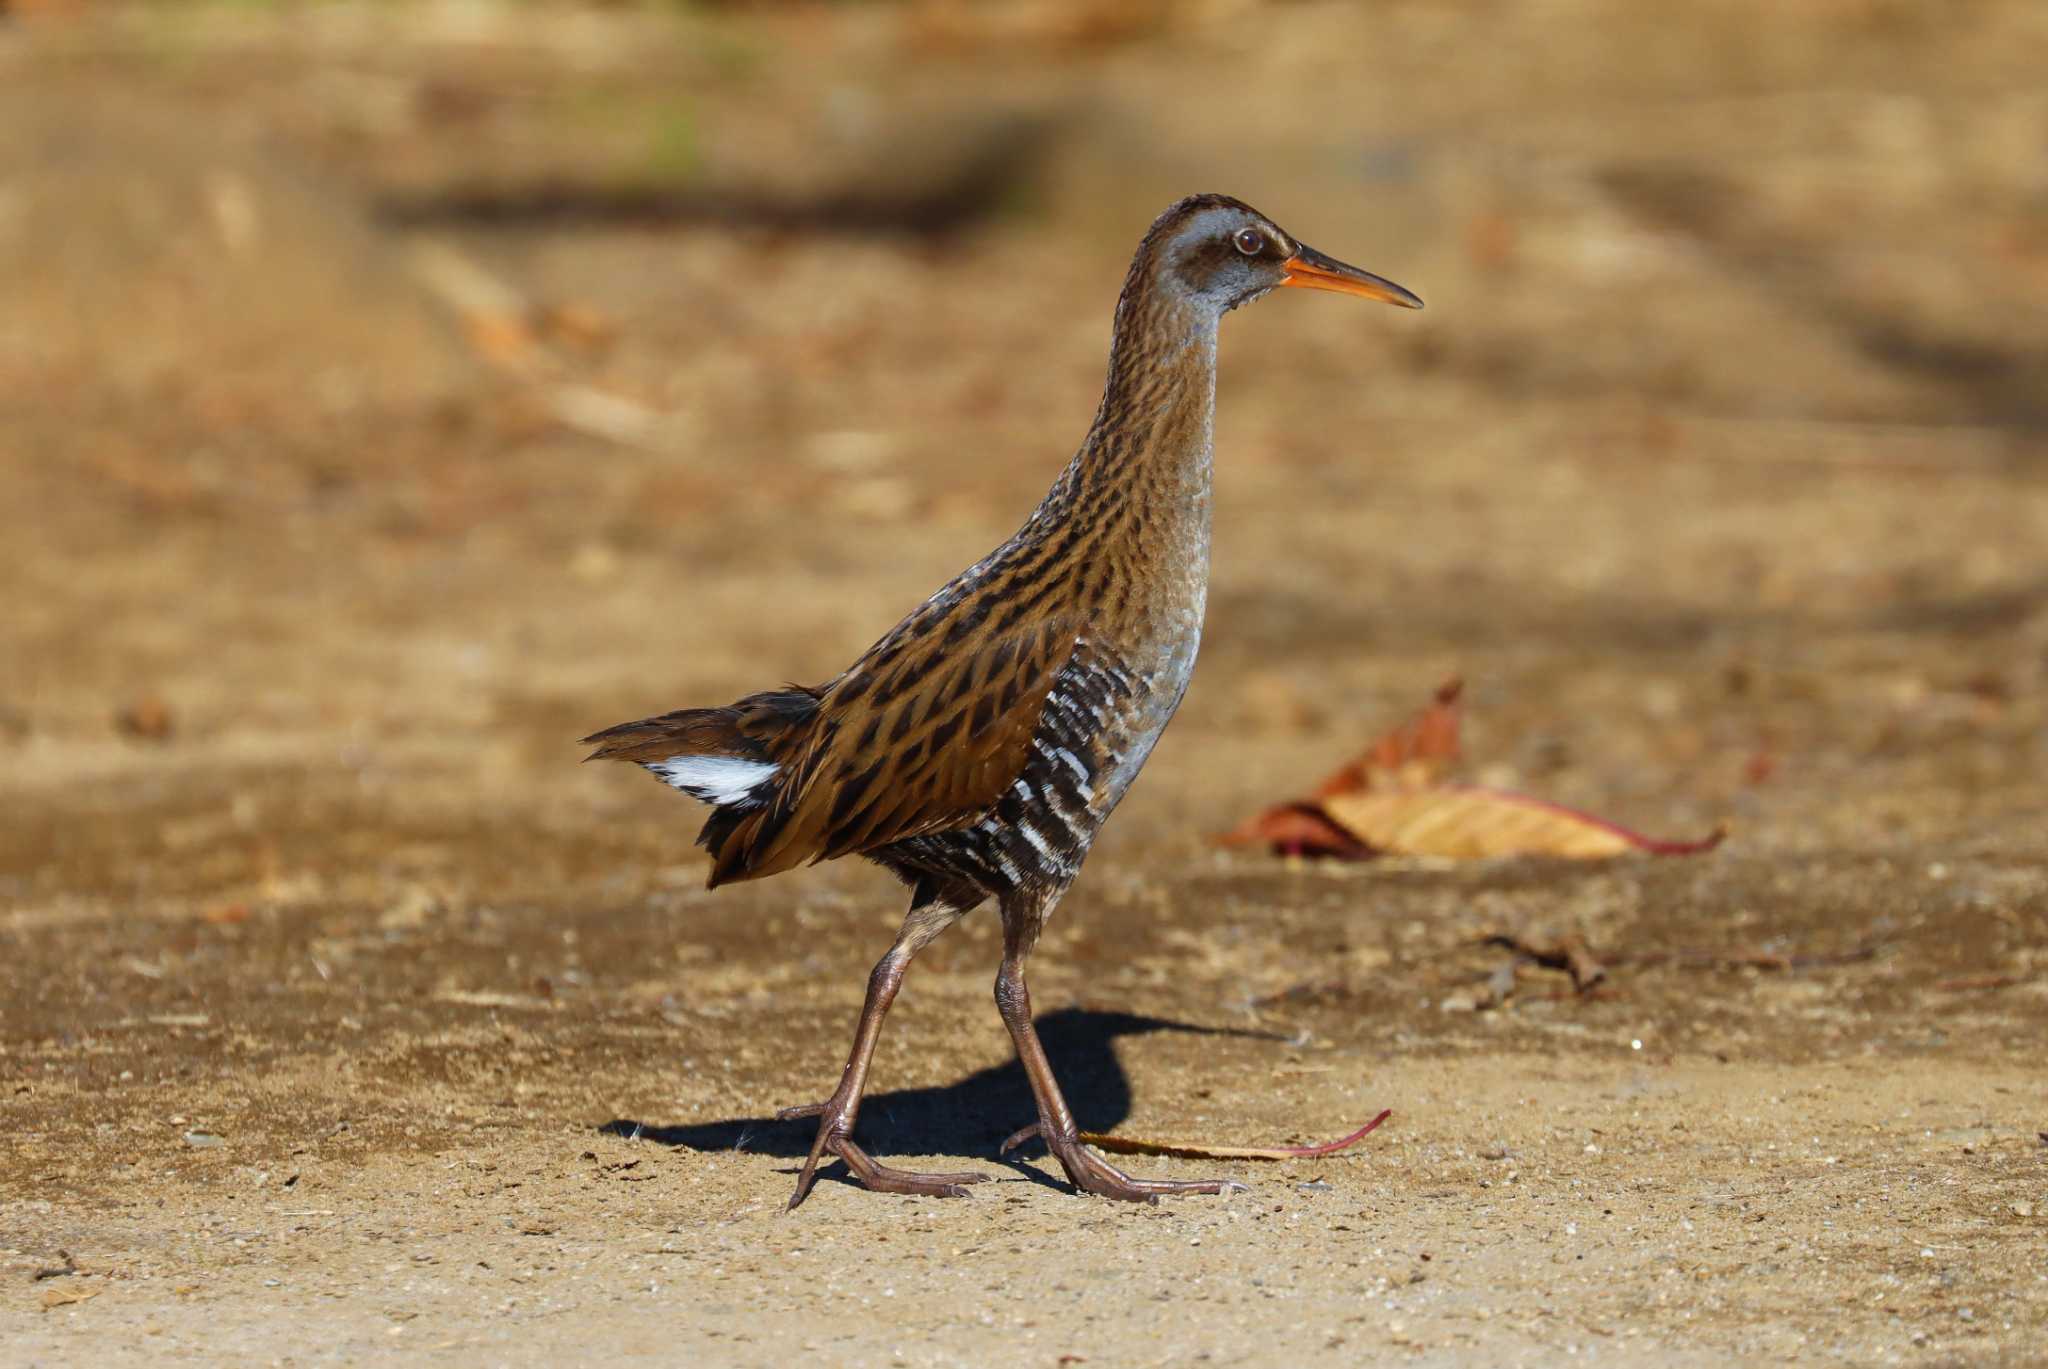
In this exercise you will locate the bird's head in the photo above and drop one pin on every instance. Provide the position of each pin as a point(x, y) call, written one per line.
point(1217, 253)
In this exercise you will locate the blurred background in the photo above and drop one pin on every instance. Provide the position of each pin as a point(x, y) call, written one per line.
point(391, 393)
point(398, 392)
point(394, 392)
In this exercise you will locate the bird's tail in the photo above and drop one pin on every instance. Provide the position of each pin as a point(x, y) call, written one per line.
point(730, 757)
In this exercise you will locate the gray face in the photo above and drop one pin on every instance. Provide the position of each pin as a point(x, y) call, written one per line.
point(1227, 256)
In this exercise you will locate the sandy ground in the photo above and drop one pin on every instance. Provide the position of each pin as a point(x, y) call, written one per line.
point(393, 394)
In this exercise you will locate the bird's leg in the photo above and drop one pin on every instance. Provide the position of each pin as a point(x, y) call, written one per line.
point(838, 1113)
point(1055, 1125)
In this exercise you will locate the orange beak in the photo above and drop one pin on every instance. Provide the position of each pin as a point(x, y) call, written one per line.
point(1311, 270)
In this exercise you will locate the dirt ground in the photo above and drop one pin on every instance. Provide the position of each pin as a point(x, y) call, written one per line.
point(393, 393)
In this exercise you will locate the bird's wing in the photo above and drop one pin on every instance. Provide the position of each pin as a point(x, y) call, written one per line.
point(922, 734)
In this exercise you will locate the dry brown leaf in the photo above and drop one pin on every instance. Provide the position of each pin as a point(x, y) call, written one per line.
point(1299, 829)
point(1395, 799)
point(1460, 822)
point(1195, 1150)
point(1415, 754)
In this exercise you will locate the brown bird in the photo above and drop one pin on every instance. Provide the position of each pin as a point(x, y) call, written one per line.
point(979, 746)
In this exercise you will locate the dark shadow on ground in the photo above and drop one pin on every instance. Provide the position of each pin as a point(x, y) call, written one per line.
point(967, 1118)
point(957, 196)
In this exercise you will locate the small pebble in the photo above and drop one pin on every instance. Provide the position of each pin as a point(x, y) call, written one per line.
point(202, 1140)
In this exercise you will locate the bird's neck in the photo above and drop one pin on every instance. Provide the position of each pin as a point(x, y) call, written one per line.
point(1151, 444)
point(1132, 507)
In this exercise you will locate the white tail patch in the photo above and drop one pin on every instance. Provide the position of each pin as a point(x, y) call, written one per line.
point(714, 779)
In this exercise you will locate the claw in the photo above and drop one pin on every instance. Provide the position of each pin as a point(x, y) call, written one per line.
point(1090, 1173)
point(809, 1175)
point(833, 1138)
point(1018, 1138)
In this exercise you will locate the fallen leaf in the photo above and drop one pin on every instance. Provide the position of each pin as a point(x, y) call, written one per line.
point(1395, 798)
point(1300, 829)
point(1461, 822)
point(1195, 1150)
point(1415, 753)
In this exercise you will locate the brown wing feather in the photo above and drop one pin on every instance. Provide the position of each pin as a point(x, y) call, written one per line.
point(923, 734)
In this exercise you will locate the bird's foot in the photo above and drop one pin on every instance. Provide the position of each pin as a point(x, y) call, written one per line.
point(834, 1137)
point(1093, 1174)
point(1027, 1132)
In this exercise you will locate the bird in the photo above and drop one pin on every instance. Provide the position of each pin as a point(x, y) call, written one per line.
point(976, 750)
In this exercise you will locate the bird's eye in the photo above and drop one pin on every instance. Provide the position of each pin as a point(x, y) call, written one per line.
point(1250, 241)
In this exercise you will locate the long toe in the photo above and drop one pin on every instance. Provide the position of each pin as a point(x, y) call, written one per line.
point(1093, 1174)
point(882, 1178)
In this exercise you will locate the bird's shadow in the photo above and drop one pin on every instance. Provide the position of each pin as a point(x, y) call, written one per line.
point(969, 1117)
